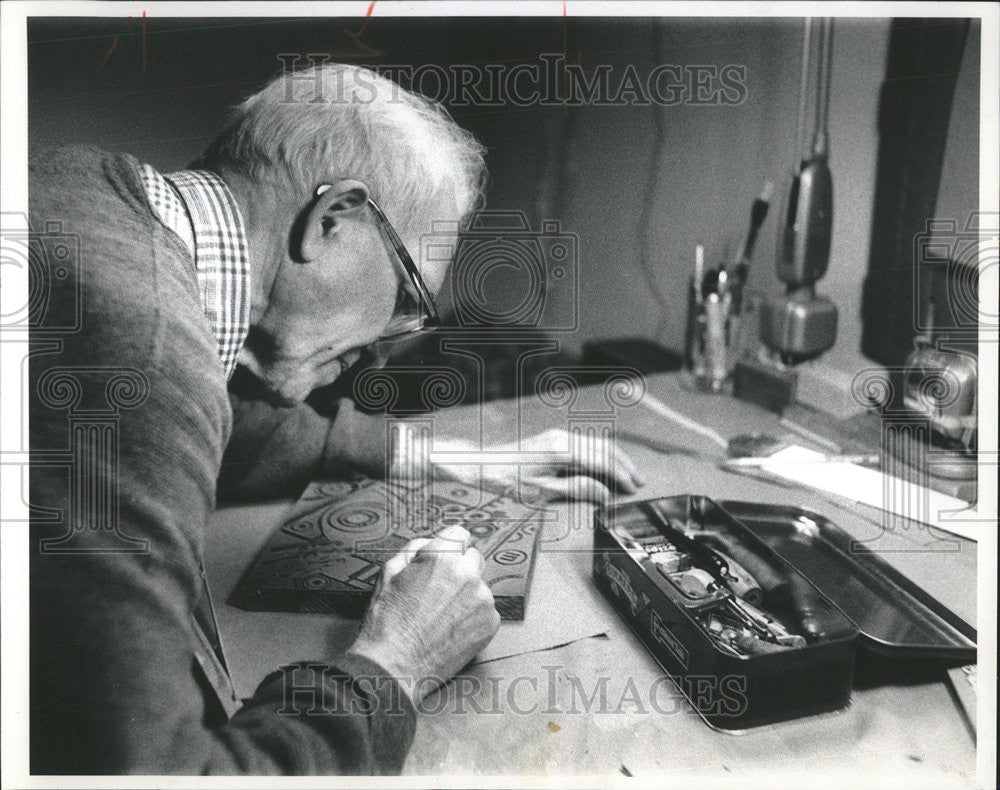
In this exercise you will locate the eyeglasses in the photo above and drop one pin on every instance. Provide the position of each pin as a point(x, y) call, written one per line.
point(412, 314)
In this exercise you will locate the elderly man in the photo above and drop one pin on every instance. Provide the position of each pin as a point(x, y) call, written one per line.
point(284, 250)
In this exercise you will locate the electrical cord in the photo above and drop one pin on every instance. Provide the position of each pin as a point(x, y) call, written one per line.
point(652, 187)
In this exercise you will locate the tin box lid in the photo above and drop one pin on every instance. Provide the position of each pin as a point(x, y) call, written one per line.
point(894, 615)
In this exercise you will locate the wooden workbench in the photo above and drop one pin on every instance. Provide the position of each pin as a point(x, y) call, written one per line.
point(599, 705)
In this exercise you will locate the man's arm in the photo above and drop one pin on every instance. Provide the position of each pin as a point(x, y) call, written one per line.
point(431, 613)
point(275, 452)
point(115, 687)
point(128, 422)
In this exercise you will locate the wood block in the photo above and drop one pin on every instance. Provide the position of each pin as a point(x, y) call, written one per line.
point(328, 553)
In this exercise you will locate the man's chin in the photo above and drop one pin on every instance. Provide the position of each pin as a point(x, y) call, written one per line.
point(293, 391)
point(284, 401)
point(289, 387)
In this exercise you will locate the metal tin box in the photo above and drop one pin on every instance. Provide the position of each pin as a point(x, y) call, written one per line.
point(861, 602)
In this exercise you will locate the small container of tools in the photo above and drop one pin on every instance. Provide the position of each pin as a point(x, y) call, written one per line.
point(734, 615)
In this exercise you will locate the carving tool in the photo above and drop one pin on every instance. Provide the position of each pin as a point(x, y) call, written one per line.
point(758, 213)
point(658, 407)
point(805, 602)
point(742, 583)
point(766, 624)
point(773, 585)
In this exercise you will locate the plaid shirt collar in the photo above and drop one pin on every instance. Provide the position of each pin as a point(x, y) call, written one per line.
point(198, 206)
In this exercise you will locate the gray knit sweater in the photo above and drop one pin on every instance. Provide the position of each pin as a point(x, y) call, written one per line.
point(129, 418)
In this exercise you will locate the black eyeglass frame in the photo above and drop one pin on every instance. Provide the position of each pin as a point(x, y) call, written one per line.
point(431, 318)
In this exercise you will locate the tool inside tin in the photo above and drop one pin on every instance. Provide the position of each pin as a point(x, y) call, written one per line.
point(743, 615)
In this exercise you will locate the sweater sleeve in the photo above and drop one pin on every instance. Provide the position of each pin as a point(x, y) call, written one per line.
point(275, 452)
point(128, 420)
point(348, 718)
point(114, 687)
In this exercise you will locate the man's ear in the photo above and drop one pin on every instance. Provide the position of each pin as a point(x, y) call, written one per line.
point(331, 205)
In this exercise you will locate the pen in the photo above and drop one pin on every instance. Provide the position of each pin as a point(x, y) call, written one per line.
point(756, 461)
point(699, 272)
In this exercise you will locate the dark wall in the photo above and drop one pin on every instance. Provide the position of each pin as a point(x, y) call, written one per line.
point(639, 186)
point(915, 113)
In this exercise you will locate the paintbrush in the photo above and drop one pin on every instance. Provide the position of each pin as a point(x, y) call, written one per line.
point(758, 213)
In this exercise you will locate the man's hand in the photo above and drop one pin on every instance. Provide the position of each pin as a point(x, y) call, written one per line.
point(431, 613)
point(558, 464)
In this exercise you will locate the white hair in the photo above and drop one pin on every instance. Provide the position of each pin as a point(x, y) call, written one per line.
point(333, 121)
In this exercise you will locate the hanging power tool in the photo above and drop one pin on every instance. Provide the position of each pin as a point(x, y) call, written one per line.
point(801, 325)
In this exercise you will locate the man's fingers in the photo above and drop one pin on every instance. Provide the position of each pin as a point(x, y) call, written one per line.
point(576, 487)
point(397, 562)
point(474, 559)
point(394, 565)
point(454, 535)
point(605, 461)
point(451, 540)
point(621, 457)
point(410, 550)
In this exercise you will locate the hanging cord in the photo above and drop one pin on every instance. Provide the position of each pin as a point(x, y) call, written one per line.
point(549, 199)
point(800, 116)
point(650, 254)
point(824, 70)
